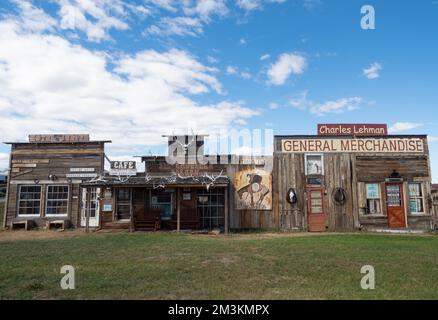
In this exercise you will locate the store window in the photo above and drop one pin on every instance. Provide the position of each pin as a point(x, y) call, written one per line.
point(373, 199)
point(314, 164)
point(416, 198)
point(29, 200)
point(123, 204)
point(57, 200)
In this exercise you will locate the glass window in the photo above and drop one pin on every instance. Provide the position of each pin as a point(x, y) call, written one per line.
point(57, 200)
point(416, 199)
point(373, 198)
point(211, 208)
point(163, 200)
point(123, 204)
point(29, 200)
point(314, 165)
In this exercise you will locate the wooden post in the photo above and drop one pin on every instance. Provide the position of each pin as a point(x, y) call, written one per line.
point(178, 210)
point(226, 210)
point(8, 186)
point(87, 211)
point(131, 213)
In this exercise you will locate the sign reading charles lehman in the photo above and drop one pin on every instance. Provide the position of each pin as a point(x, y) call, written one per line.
point(401, 145)
point(352, 130)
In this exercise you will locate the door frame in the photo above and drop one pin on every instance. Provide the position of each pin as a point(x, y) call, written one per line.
point(85, 197)
point(403, 203)
point(317, 216)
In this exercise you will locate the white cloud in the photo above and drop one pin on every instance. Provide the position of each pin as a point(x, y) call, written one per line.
point(242, 41)
point(49, 85)
point(404, 126)
point(311, 4)
point(34, 19)
point(180, 26)
point(232, 70)
point(286, 65)
point(264, 57)
point(4, 162)
point(336, 106)
point(94, 18)
point(207, 8)
point(249, 5)
point(372, 72)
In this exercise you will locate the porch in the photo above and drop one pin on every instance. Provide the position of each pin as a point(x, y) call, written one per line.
point(192, 205)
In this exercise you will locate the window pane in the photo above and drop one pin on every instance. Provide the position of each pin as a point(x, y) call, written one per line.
point(29, 200)
point(314, 165)
point(57, 200)
point(373, 191)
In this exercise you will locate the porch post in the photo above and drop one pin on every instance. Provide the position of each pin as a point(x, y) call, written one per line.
point(226, 210)
point(178, 210)
point(131, 213)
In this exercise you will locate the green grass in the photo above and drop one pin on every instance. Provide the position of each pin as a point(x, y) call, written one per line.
point(171, 266)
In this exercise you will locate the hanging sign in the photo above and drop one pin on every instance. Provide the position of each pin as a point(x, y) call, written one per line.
point(352, 130)
point(123, 168)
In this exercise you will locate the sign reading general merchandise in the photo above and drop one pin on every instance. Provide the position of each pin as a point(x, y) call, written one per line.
point(401, 145)
point(123, 168)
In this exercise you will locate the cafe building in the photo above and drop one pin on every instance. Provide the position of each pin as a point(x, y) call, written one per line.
point(353, 177)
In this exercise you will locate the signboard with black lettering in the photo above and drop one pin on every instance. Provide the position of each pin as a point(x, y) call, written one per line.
point(123, 168)
point(352, 130)
point(44, 138)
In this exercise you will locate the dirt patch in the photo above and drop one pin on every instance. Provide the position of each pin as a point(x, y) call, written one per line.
point(36, 235)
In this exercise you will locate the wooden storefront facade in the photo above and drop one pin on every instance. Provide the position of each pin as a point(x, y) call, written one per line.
point(310, 183)
point(351, 190)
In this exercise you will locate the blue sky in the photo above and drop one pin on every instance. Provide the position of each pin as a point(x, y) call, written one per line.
point(133, 70)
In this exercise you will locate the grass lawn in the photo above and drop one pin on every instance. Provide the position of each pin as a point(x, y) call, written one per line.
point(247, 266)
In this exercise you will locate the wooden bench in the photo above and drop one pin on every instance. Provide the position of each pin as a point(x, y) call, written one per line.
point(148, 219)
point(22, 224)
point(53, 224)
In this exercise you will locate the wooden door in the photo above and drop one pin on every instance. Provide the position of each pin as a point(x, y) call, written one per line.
point(395, 205)
point(316, 215)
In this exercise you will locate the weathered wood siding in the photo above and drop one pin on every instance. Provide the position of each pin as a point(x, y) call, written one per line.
point(349, 171)
point(36, 161)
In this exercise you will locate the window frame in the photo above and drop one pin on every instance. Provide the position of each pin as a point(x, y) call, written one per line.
point(306, 156)
point(379, 198)
point(422, 199)
point(19, 200)
point(51, 215)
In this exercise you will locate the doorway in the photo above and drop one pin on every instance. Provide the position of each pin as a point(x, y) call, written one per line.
point(316, 215)
point(395, 205)
point(90, 207)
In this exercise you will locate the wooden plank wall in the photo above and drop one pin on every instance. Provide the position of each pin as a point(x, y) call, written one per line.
point(247, 219)
point(52, 159)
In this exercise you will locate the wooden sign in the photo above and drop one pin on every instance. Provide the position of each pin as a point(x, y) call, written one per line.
point(30, 161)
point(371, 145)
point(123, 168)
point(190, 170)
point(352, 130)
point(43, 138)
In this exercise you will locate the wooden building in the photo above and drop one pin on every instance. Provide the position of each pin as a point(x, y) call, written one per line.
point(346, 183)
point(435, 203)
point(46, 174)
point(346, 178)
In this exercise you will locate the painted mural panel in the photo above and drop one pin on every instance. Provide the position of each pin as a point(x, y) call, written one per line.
point(253, 190)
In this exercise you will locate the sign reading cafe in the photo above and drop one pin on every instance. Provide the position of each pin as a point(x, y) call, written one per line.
point(123, 168)
point(353, 145)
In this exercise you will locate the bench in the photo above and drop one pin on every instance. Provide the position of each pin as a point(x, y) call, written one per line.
point(22, 225)
point(148, 219)
point(57, 224)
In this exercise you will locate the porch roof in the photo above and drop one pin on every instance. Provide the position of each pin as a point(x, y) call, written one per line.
point(155, 182)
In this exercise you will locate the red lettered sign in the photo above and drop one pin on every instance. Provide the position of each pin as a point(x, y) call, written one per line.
point(358, 130)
